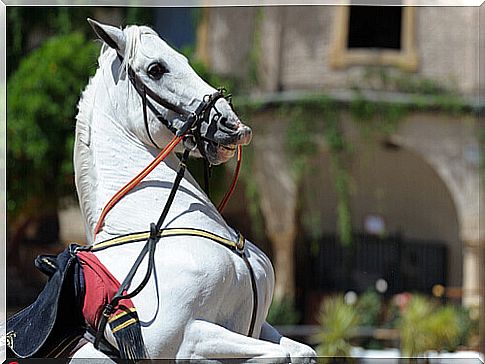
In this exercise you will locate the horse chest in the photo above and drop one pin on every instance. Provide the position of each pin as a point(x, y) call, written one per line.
point(193, 263)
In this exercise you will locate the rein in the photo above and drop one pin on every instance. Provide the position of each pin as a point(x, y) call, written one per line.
point(191, 128)
point(135, 181)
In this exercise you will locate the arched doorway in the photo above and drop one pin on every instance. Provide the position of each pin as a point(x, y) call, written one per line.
point(405, 224)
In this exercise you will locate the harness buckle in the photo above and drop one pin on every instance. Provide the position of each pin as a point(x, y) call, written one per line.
point(189, 142)
point(189, 123)
point(241, 242)
point(108, 310)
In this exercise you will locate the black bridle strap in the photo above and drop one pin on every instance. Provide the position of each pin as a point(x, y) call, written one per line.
point(149, 247)
point(254, 288)
point(138, 83)
point(142, 90)
point(204, 109)
point(145, 117)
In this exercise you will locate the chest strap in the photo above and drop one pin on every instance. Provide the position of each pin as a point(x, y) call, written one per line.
point(169, 232)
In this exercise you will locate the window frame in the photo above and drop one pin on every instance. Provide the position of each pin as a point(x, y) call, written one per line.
point(342, 57)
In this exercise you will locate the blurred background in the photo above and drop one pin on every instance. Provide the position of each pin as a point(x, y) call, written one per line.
point(362, 180)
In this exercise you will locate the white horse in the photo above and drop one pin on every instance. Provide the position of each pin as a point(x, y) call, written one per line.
point(198, 303)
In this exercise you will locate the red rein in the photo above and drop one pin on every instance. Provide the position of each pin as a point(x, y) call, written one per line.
point(229, 192)
point(161, 156)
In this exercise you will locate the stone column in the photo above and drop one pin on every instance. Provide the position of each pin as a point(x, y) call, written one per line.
point(471, 274)
point(278, 192)
point(450, 145)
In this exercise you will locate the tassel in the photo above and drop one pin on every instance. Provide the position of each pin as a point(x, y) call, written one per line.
point(126, 329)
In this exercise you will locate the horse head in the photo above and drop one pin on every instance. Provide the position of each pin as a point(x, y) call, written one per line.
point(173, 92)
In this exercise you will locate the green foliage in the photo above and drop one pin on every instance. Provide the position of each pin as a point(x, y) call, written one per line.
point(23, 20)
point(376, 117)
point(283, 312)
point(418, 85)
point(342, 187)
point(338, 321)
point(385, 79)
point(251, 190)
point(369, 307)
point(139, 15)
point(467, 327)
point(310, 118)
point(424, 325)
point(41, 108)
point(427, 94)
point(300, 138)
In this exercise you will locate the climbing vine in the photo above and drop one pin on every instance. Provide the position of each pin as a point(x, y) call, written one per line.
point(309, 119)
point(252, 194)
point(246, 111)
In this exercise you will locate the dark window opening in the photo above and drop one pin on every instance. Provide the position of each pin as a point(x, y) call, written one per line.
point(375, 27)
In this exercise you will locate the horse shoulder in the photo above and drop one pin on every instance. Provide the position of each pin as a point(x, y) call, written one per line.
point(201, 260)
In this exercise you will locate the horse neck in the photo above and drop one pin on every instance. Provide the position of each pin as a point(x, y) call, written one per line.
point(111, 158)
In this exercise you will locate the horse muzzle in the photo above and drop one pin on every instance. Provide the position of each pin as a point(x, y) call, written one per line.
point(223, 146)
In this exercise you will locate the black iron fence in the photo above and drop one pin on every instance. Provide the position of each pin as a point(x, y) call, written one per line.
point(325, 266)
point(404, 265)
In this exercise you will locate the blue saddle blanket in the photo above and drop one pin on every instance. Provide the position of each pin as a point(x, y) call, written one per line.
point(57, 311)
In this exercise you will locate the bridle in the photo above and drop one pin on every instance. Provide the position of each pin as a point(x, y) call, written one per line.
point(191, 120)
point(190, 133)
point(189, 130)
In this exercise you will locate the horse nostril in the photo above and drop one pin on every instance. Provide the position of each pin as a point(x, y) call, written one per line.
point(226, 123)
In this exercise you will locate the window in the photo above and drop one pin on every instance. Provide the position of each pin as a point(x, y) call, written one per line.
point(374, 27)
point(374, 35)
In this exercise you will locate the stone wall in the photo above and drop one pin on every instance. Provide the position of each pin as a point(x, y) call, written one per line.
point(296, 42)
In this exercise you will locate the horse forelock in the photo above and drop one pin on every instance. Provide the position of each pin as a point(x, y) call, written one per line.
point(133, 35)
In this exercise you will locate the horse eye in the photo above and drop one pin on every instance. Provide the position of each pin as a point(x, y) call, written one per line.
point(156, 71)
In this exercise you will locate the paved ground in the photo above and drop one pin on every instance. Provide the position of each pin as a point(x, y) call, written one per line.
point(391, 356)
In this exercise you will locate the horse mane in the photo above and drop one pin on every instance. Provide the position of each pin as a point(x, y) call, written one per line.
point(84, 163)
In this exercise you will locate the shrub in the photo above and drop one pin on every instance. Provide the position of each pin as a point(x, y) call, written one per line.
point(338, 321)
point(424, 325)
point(369, 308)
point(41, 108)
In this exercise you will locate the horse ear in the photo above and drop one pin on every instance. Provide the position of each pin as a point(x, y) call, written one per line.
point(112, 36)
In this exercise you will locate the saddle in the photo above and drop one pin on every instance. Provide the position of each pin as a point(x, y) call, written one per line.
point(65, 313)
point(56, 315)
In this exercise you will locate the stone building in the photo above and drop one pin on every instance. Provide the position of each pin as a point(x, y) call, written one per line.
point(418, 184)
